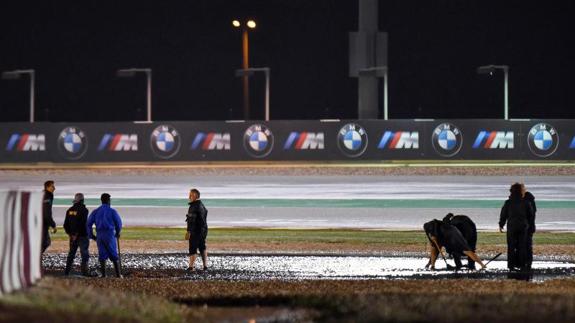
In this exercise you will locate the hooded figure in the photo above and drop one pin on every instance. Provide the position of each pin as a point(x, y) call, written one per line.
point(531, 200)
point(517, 213)
point(441, 234)
point(108, 227)
point(467, 228)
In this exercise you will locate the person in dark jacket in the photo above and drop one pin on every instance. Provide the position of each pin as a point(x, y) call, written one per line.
point(47, 219)
point(531, 200)
point(108, 228)
point(75, 227)
point(469, 231)
point(197, 230)
point(441, 234)
point(517, 213)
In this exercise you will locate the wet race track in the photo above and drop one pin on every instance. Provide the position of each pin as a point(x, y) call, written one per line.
point(370, 202)
point(314, 267)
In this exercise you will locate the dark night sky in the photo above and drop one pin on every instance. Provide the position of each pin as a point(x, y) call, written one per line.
point(193, 50)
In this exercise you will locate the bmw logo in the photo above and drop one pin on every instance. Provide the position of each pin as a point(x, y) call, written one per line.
point(72, 143)
point(447, 140)
point(258, 140)
point(352, 140)
point(543, 140)
point(165, 141)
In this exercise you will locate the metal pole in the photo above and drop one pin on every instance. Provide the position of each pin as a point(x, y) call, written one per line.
point(149, 95)
point(506, 94)
point(32, 103)
point(245, 66)
point(267, 94)
point(385, 93)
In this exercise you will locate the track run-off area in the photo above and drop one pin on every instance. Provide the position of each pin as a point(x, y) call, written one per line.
point(157, 198)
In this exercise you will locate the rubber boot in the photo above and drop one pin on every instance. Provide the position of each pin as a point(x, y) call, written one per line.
point(117, 268)
point(69, 264)
point(103, 267)
point(84, 269)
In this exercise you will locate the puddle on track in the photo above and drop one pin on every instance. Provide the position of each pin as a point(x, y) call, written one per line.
point(287, 267)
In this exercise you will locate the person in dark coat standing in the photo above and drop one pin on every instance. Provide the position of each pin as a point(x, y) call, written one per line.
point(517, 213)
point(108, 228)
point(197, 229)
point(531, 200)
point(47, 219)
point(75, 227)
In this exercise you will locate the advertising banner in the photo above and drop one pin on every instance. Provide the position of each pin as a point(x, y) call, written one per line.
point(337, 140)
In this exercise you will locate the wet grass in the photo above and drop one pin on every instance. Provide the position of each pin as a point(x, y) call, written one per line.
point(353, 237)
point(57, 300)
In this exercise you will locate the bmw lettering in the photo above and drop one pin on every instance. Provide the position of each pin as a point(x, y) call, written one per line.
point(352, 140)
point(26, 142)
point(165, 141)
point(211, 141)
point(447, 140)
point(543, 140)
point(119, 142)
point(399, 140)
point(258, 140)
point(72, 143)
point(304, 141)
point(494, 140)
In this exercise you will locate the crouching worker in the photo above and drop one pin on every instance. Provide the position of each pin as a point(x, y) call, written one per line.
point(75, 227)
point(441, 234)
point(469, 231)
point(108, 228)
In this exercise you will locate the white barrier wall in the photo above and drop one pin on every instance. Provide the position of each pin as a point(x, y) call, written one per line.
point(20, 239)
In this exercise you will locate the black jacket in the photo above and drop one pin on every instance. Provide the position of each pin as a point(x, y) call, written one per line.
point(75, 222)
point(531, 199)
point(197, 218)
point(47, 219)
point(447, 235)
point(518, 214)
point(466, 226)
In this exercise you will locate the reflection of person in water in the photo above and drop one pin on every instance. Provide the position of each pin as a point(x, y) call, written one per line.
point(441, 234)
point(467, 228)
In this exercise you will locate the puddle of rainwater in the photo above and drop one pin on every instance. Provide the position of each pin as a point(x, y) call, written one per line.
point(240, 267)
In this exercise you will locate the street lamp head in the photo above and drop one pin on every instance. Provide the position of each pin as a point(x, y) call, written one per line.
point(125, 73)
point(488, 69)
point(236, 23)
point(251, 24)
point(10, 76)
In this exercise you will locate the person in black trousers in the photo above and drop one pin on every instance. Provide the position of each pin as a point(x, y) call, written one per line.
point(75, 227)
point(517, 213)
point(47, 219)
point(197, 230)
point(531, 199)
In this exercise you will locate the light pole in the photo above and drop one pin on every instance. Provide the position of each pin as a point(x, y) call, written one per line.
point(250, 24)
point(379, 71)
point(16, 74)
point(249, 72)
point(490, 69)
point(130, 72)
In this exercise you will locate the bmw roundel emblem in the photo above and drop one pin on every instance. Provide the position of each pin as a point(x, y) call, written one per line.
point(72, 143)
point(447, 139)
point(352, 140)
point(165, 141)
point(258, 140)
point(543, 140)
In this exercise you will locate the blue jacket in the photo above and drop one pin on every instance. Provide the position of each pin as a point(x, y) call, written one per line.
point(106, 219)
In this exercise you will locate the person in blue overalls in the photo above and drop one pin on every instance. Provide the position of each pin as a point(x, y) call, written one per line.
point(108, 228)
